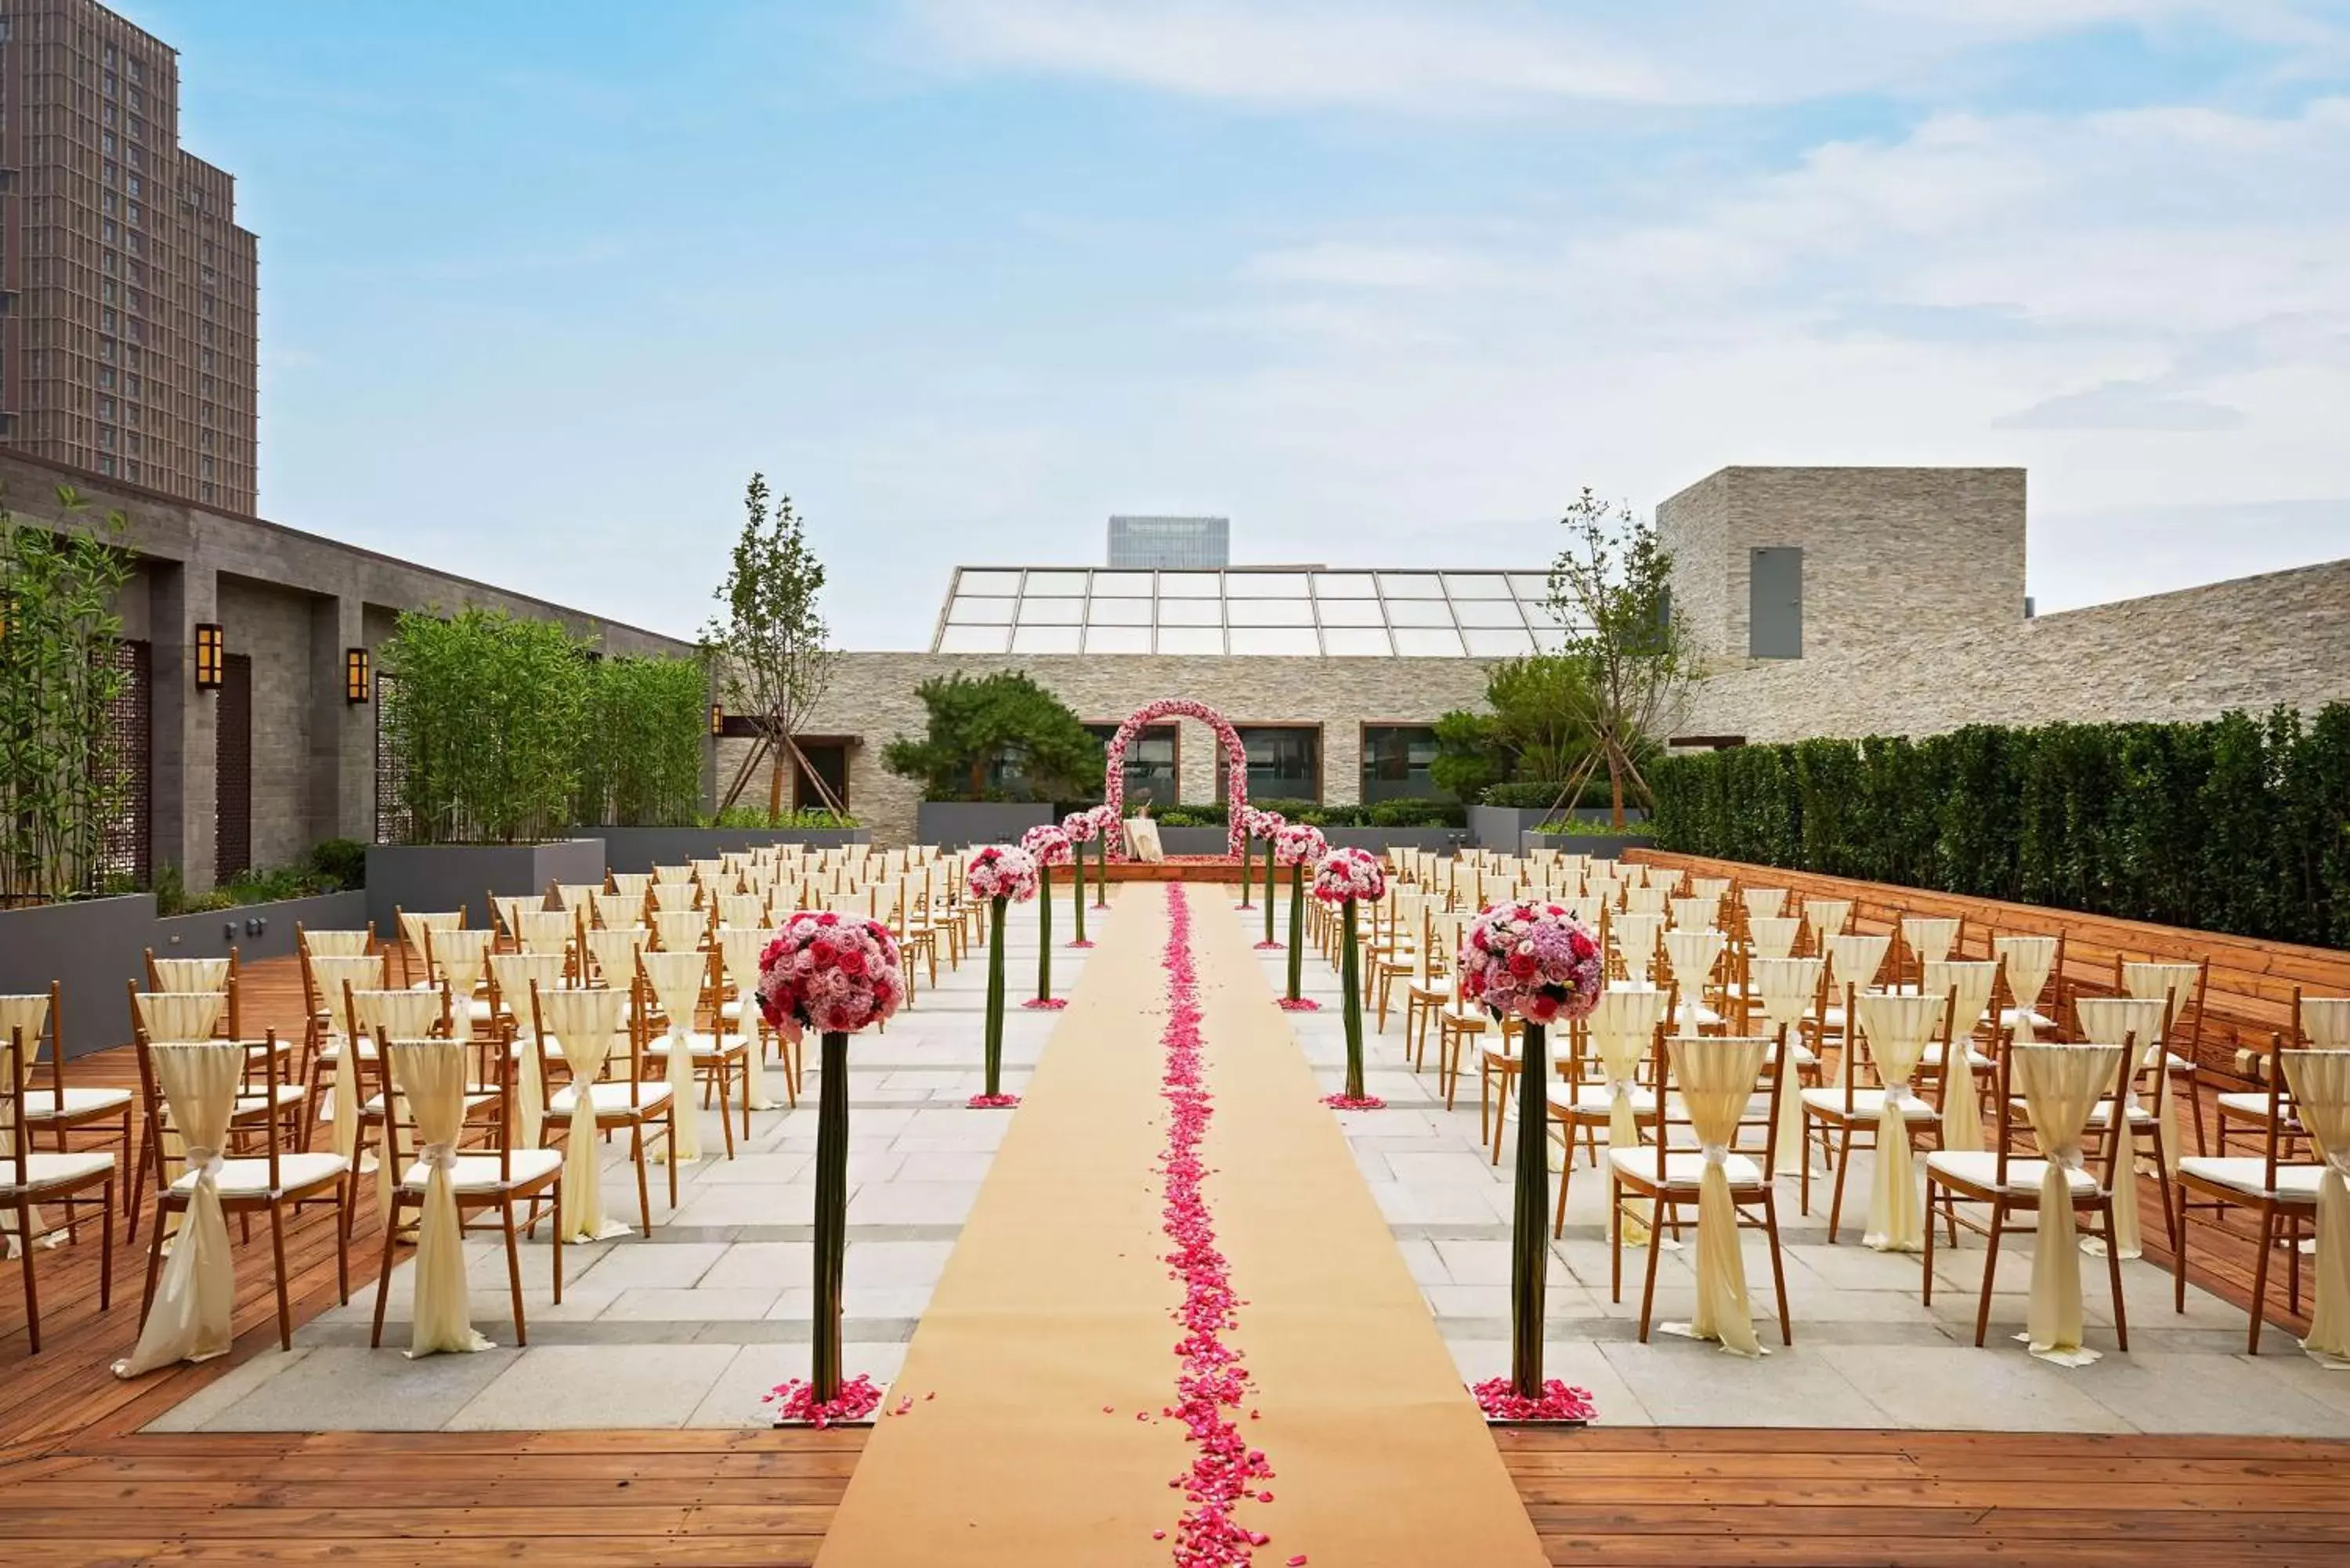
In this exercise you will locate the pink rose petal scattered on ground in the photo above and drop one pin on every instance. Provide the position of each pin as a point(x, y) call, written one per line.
point(796, 1403)
point(1497, 1397)
point(1341, 1103)
point(1046, 1003)
point(991, 1102)
point(1299, 1005)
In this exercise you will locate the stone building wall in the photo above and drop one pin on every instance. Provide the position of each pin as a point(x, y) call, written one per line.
point(2252, 643)
point(272, 626)
point(872, 697)
point(1888, 552)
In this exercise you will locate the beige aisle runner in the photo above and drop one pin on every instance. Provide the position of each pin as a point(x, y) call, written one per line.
point(1051, 1330)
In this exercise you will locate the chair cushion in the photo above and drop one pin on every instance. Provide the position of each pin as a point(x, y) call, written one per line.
point(1979, 1168)
point(1596, 1100)
point(705, 1047)
point(42, 1171)
point(2246, 1174)
point(79, 1100)
point(254, 1105)
point(612, 1097)
point(250, 1178)
point(1683, 1168)
point(2249, 1105)
point(479, 1172)
point(1868, 1105)
point(2141, 1115)
point(1432, 991)
point(2009, 1017)
point(474, 1100)
point(1698, 1014)
point(1932, 1057)
point(2174, 1062)
point(730, 1010)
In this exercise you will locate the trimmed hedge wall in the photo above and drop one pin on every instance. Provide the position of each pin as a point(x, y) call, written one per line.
point(2238, 825)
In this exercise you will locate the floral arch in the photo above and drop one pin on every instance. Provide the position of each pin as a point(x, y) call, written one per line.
point(1235, 758)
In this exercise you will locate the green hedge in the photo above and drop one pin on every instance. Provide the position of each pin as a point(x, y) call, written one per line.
point(2239, 825)
point(486, 711)
point(1380, 814)
point(640, 747)
point(1540, 795)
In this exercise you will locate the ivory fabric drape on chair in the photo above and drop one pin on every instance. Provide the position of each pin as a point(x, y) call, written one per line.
point(1785, 989)
point(432, 1073)
point(1973, 982)
point(191, 974)
point(1897, 1028)
point(24, 1017)
point(1764, 903)
point(2320, 1082)
point(584, 1022)
point(1693, 950)
point(1828, 916)
point(190, 1320)
point(1716, 1078)
point(461, 955)
point(1930, 936)
point(1773, 936)
point(2110, 1020)
point(2029, 959)
point(2061, 1085)
point(380, 1016)
point(1620, 1028)
point(330, 974)
point(675, 980)
point(1636, 937)
point(516, 973)
point(2326, 1020)
point(337, 944)
point(738, 956)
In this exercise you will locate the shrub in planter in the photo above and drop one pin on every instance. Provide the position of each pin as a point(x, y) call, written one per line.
point(486, 711)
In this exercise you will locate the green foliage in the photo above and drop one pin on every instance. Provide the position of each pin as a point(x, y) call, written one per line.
point(1470, 756)
point(58, 774)
point(772, 650)
point(339, 862)
point(999, 736)
point(1611, 587)
point(332, 865)
point(488, 712)
point(2240, 824)
point(1537, 728)
point(1586, 827)
point(759, 818)
point(641, 745)
point(1540, 795)
point(1380, 814)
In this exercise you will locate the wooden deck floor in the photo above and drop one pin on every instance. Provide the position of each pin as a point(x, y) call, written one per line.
point(81, 1485)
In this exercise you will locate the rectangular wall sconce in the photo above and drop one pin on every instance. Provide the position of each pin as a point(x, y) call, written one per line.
point(356, 675)
point(211, 655)
point(717, 719)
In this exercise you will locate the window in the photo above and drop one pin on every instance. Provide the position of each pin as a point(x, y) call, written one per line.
point(105, 143)
point(1394, 762)
point(1152, 761)
point(106, 407)
point(106, 466)
point(1284, 763)
point(106, 437)
point(829, 762)
point(1775, 603)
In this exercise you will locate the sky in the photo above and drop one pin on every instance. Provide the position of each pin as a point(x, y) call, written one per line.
point(1386, 282)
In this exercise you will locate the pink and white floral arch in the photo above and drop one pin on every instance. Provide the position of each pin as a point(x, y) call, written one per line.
point(1235, 759)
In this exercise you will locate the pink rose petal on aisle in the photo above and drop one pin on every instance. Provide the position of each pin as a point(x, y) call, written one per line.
point(991, 1102)
point(1343, 1103)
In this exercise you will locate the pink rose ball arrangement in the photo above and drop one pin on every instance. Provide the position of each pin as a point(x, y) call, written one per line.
point(1347, 874)
point(1047, 845)
point(1000, 871)
point(830, 973)
point(1081, 827)
point(1298, 843)
point(1105, 817)
point(1264, 824)
point(1534, 959)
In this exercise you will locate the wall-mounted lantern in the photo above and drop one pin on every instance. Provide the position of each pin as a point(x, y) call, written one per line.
point(357, 677)
point(717, 719)
point(211, 655)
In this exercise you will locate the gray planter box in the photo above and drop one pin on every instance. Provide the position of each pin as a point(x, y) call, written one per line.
point(448, 876)
point(1197, 841)
point(92, 945)
point(642, 848)
point(1500, 826)
point(258, 930)
point(1602, 846)
point(958, 824)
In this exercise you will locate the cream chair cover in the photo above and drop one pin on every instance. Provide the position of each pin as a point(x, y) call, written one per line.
point(1635, 938)
point(1929, 937)
point(1773, 936)
point(2176, 981)
point(515, 973)
point(331, 974)
point(663, 874)
point(1763, 903)
point(1717, 1078)
point(583, 1023)
point(738, 953)
point(1854, 961)
point(191, 974)
point(1828, 916)
point(680, 930)
point(2325, 1020)
point(675, 896)
point(1142, 840)
point(509, 908)
point(2061, 1085)
point(631, 884)
point(2029, 959)
point(460, 956)
point(2320, 1082)
point(749, 909)
point(197, 1292)
point(572, 897)
point(383, 1016)
point(1897, 1028)
point(1644, 900)
point(182, 1015)
point(1714, 888)
point(676, 979)
point(2143, 1014)
point(615, 952)
point(1621, 1028)
point(337, 944)
point(544, 932)
point(1692, 952)
point(23, 1016)
point(1692, 914)
point(414, 923)
point(1974, 980)
point(2112, 1020)
point(432, 1075)
point(1785, 989)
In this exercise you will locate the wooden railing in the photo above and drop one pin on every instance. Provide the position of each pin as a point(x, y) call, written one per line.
point(2251, 985)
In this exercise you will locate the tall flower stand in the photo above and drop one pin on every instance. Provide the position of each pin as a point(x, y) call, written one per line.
point(992, 1096)
point(1269, 941)
point(1248, 865)
point(1101, 887)
point(1077, 897)
point(1296, 1001)
point(1351, 972)
point(831, 1212)
point(1044, 999)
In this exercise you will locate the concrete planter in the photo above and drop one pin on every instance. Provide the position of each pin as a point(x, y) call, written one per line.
point(258, 930)
point(1602, 846)
point(1500, 826)
point(447, 875)
point(1196, 841)
point(958, 824)
point(1438, 840)
point(642, 848)
point(92, 945)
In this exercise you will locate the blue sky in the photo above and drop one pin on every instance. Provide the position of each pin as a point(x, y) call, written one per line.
point(1386, 281)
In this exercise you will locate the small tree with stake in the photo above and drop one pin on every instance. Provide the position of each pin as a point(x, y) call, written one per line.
point(1539, 964)
point(770, 653)
point(1000, 875)
point(1611, 589)
point(1048, 846)
point(837, 974)
point(1299, 846)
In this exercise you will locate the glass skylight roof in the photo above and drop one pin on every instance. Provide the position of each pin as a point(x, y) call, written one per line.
point(1247, 610)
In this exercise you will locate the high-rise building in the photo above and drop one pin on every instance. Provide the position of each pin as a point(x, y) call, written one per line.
point(127, 291)
point(1173, 543)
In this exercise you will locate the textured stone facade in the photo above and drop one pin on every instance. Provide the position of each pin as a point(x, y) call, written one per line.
point(2252, 643)
point(1888, 553)
point(872, 698)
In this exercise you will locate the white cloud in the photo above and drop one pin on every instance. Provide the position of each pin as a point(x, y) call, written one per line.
point(2123, 406)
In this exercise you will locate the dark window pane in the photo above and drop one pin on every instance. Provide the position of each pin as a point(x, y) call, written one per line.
point(1283, 764)
point(1394, 762)
point(1149, 763)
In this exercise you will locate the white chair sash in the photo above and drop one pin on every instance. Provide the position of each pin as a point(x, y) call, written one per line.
point(1785, 989)
point(1620, 1028)
point(676, 979)
point(1897, 1028)
point(2061, 1085)
point(190, 1320)
point(1717, 1078)
point(2320, 1082)
point(432, 1075)
point(1764, 903)
point(1929, 937)
point(1773, 936)
point(191, 974)
point(584, 1022)
point(515, 973)
point(337, 944)
point(1827, 916)
point(1635, 938)
point(2029, 961)
point(1974, 980)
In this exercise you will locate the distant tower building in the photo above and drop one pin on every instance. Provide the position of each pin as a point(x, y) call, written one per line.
point(126, 290)
point(1170, 542)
